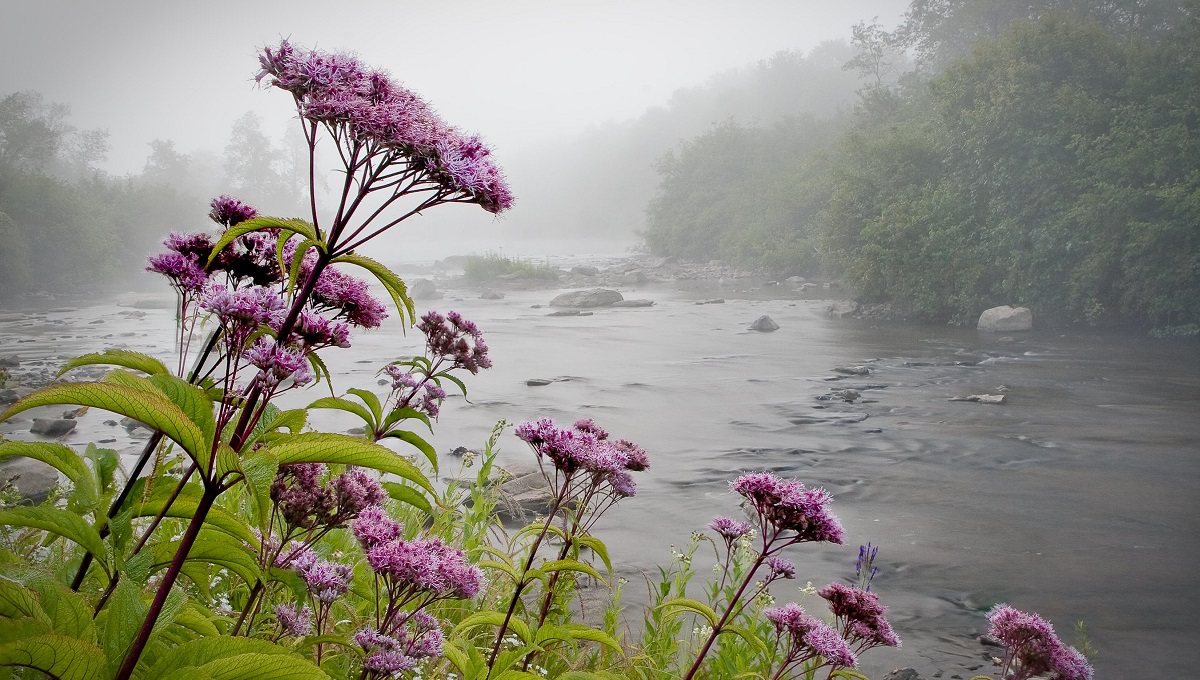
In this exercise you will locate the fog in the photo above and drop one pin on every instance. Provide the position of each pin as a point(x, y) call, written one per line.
point(535, 79)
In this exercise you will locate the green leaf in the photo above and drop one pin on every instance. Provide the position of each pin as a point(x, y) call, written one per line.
point(346, 405)
point(340, 449)
point(215, 548)
point(493, 618)
point(407, 494)
point(61, 458)
point(572, 565)
point(263, 667)
point(581, 632)
point(231, 234)
point(60, 657)
point(456, 656)
point(60, 522)
point(192, 400)
point(751, 639)
point(18, 601)
point(273, 420)
point(199, 653)
point(392, 283)
point(403, 414)
point(370, 400)
point(422, 445)
point(185, 507)
point(155, 410)
point(119, 357)
point(501, 566)
point(123, 618)
point(69, 612)
point(597, 547)
point(692, 606)
point(260, 469)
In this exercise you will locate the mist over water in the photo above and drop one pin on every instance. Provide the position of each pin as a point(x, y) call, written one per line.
point(1077, 498)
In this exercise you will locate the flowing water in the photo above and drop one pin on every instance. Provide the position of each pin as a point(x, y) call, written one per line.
point(1076, 498)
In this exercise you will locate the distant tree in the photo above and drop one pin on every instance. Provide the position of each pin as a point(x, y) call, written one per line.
point(259, 171)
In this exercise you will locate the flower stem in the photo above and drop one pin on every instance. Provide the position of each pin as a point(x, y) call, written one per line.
point(729, 610)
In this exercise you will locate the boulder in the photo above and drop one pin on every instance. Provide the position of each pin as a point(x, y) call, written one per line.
point(1005, 319)
point(52, 427)
point(569, 312)
point(523, 492)
point(903, 674)
point(491, 294)
point(33, 478)
point(147, 301)
point(764, 324)
point(584, 270)
point(538, 382)
point(714, 301)
point(634, 303)
point(841, 308)
point(423, 289)
point(596, 297)
point(852, 370)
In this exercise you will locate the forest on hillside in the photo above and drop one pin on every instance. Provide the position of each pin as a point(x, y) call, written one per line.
point(1042, 153)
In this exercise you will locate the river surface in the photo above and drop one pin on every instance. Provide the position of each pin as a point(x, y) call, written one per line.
point(1078, 498)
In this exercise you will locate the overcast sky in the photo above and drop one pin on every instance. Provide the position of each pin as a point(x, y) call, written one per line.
point(512, 70)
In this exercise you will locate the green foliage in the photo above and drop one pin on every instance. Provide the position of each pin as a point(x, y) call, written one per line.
point(492, 266)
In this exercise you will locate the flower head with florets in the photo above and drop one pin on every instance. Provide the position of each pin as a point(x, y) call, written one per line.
point(1031, 647)
point(788, 505)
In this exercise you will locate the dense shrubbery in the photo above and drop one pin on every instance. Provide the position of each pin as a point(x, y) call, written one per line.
point(1055, 165)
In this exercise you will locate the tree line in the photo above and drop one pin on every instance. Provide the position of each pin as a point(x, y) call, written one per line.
point(66, 224)
point(1039, 153)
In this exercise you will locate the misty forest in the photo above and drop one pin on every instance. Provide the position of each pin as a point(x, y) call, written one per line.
point(301, 464)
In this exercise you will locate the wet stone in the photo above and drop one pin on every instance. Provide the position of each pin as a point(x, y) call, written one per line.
point(52, 427)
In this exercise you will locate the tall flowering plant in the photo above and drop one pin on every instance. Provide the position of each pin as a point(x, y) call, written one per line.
point(259, 303)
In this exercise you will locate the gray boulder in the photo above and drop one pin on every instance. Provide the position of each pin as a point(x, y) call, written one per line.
point(52, 427)
point(1005, 319)
point(585, 270)
point(841, 308)
point(634, 303)
point(596, 297)
point(33, 478)
point(764, 324)
point(491, 294)
point(423, 289)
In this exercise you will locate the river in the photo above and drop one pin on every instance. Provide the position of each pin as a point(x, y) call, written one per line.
point(1076, 498)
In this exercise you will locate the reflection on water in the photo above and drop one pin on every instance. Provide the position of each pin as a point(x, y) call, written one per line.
point(1077, 498)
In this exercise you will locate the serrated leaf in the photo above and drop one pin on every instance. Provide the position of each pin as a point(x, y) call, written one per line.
point(273, 420)
point(123, 618)
point(260, 469)
point(571, 565)
point(421, 445)
point(407, 494)
point(392, 283)
point(58, 656)
point(184, 507)
point(204, 651)
point(296, 226)
point(348, 406)
point(370, 400)
point(18, 601)
point(119, 357)
point(339, 449)
point(61, 458)
point(260, 666)
point(686, 603)
point(214, 548)
point(751, 639)
point(493, 618)
point(60, 522)
point(399, 414)
point(501, 566)
point(192, 400)
point(597, 546)
point(155, 410)
point(69, 612)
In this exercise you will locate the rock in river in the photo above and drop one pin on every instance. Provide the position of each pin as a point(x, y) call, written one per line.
point(1005, 319)
point(52, 427)
point(596, 297)
point(764, 324)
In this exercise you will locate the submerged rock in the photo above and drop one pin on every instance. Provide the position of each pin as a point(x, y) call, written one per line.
point(982, 398)
point(32, 478)
point(634, 303)
point(423, 289)
point(714, 301)
point(569, 312)
point(841, 308)
point(491, 294)
point(1004, 319)
point(852, 370)
point(764, 324)
point(596, 297)
point(538, 382)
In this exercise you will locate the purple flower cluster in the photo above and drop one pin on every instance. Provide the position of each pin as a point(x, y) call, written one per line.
point(349, 298)
point(304, 501)
point(860, 617)
point(455, 339)
point(1032, 648)
point(228, 211)
point(293, 621)
point(788, 505)
point(729, 529)
point(807, 638)
point(417, 638)
point(366, 107)
point(425, 566)
point(326, 581)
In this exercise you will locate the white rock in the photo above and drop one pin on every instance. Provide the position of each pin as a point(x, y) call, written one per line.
point(1006, 319)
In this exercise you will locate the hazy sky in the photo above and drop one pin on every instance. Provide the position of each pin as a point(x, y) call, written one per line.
point(514, 71)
